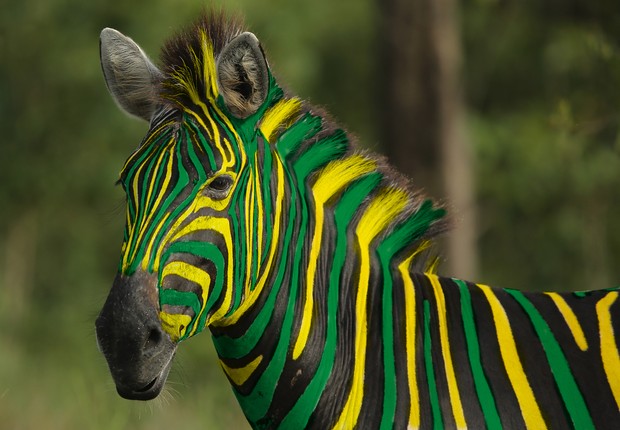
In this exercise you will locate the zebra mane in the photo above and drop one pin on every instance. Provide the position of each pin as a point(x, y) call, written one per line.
point(186, 58)
point(188, 65)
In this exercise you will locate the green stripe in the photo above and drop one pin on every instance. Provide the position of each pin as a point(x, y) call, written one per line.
point(256, 404)
point(352, 198)
point(430, 373)
point(205, 145)
point(182, 182)
point(297, 133)
point(162, 210)
point(238, 231)
point(483, 390)
point(389, 367)
point(266, 197)
point(240, 347)
point(573, 400)
point(180, 298)
point(207, 251)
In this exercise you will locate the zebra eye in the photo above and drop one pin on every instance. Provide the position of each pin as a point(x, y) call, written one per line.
point(219, 187)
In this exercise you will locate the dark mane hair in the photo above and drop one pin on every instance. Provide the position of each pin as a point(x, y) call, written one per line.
point(183, 52)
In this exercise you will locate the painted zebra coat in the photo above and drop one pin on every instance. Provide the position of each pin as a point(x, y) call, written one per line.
point(253, 214)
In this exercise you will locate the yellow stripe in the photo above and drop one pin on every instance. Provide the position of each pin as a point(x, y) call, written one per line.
point(249, 230)
point(149, 249)
point(249, 300)
point(453, 390)
point(410, 327)
point(512, 363)
point(228, 157)
point(571, 320)
point(150, 139)
point(379, 214)
point(172, 323)
point(171, 231)
point(209, 74)
point(333, 178)
point(200, 122)
point(193, 274)
point(259, 217)
point(239, 375)
point(281, 114)
point(609, 348)
point(208, 70)
point(161, 190)
point(151, 186)
point(133, 238)
point(221, 225)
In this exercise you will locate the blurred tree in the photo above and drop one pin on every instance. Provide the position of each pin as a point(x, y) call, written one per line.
point(423, 114)
point(543, 80)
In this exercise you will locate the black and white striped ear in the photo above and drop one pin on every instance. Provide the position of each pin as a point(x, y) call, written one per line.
point(130, 76)
point(242, 76)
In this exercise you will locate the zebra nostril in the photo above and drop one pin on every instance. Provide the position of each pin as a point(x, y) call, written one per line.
point(153, 340)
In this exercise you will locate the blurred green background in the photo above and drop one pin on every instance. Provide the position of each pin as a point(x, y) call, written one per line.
point(542, 85)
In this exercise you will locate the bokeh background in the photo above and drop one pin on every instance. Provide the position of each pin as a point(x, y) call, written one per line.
point(535, 85)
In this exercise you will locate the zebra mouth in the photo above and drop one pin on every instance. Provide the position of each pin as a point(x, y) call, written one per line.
point(148, 391)
point(148, 386)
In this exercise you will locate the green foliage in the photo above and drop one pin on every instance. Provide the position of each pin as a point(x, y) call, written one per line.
point(544, 84)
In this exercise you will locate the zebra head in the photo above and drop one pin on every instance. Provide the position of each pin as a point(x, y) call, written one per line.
point(185, 188)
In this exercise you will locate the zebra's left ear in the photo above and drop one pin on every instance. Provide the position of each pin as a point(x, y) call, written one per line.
point(130, 76)
point(242, 76)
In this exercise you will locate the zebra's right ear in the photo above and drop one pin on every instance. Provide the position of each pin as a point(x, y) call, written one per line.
point(130, 76)
point(242, 75)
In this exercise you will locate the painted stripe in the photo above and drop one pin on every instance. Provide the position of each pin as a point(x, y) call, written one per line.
point(430, 372)
point(175, 324)
point(164, 186)
point(282, 114)
point(262, 279)
point(609, 347)
point(453, 390)
point(332, 179)
point(410, 343)
point(256, 404)
point(571, 320)
point(222, 225)
point(483, 390)
point(209, 252)
point(192, 274)
point(239, 375)
point(567, 386)
point(512, 363)
point(344, 212)
point(250, 234)
point(381, 211)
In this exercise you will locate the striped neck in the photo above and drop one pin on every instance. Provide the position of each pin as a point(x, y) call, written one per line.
point(324, 226)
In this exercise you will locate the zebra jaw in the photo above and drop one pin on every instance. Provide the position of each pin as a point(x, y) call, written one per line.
point(129, 334)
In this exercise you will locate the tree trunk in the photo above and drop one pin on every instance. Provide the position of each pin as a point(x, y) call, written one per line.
point(423, 117)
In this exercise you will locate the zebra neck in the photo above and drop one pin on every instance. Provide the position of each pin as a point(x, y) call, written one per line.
point(324, 299)
point(335, 229)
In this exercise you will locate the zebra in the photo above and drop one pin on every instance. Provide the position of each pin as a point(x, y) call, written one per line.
point(311, 262)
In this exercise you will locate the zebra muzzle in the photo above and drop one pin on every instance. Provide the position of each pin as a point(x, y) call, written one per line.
point(129, 334)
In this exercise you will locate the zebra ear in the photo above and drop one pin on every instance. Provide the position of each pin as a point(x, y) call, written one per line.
point(130, 76)
point(242, 76)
